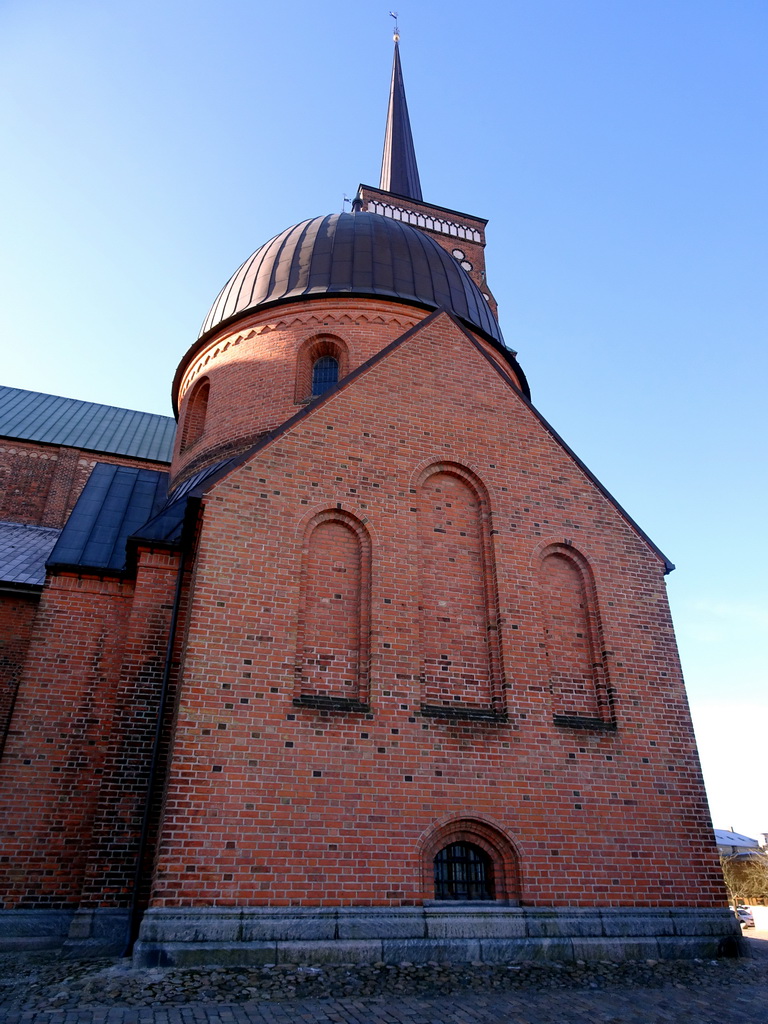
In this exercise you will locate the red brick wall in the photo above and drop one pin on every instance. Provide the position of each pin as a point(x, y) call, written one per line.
point(54, 754)
point(17, 616)
point(128, 750)
point(39, 483)
point(272, 803)
point(26, 473)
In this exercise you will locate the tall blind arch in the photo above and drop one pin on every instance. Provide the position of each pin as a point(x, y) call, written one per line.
point(458, 619)
point(570, 624)
point(333, 634)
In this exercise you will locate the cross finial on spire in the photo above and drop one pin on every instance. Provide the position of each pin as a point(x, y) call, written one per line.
point(399, 172)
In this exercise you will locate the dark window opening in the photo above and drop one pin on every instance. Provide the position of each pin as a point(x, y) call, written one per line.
point(463, 872)
point(325, 373)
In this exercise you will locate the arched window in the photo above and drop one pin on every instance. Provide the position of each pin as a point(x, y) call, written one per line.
point(321, 362)
point(469, 859)
point(325, 373)
point(463, 872)
point(196, 412)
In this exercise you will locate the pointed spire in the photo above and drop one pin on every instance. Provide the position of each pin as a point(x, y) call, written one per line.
point(399, 172)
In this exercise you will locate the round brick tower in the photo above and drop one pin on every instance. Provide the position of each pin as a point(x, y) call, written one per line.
point(306, 309)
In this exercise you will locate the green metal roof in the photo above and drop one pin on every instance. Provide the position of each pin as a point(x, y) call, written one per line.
point(50, 419)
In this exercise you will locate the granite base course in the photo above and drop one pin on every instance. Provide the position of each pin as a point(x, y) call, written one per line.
point(456, 934)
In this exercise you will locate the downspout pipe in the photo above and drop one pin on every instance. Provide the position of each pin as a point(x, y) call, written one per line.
point(135, 913)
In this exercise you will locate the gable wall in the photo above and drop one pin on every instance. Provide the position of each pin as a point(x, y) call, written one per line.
point(300, 804)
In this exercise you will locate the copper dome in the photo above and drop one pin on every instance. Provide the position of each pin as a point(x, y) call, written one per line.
point(347, 254)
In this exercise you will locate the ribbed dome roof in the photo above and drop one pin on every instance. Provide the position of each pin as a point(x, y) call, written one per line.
point(353, 254)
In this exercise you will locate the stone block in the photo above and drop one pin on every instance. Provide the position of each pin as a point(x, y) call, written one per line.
point(334, 951)
point(618, 948)
point(381, 923)
point(33, 929)
point(704, 921)
point(502, 951)
point(421, 950)
point(500, 923)
point(203, 954)
point(197, 924)
point(99, 924)
point(551, 949)
point(285, 924)
point(636, 921)
point(99, 932)
point(566, 923)
point(682, 947)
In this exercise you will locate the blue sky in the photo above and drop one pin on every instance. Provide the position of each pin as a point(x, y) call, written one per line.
point(619, 149)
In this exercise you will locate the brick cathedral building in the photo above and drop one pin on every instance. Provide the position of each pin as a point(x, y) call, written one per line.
point(360, 662)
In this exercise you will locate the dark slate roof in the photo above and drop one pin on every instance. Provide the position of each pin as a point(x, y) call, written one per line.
point(23, 553)
point(347, 254)
point(399, 172)
point(31, 416)
point(197, 484)
point(115, 504)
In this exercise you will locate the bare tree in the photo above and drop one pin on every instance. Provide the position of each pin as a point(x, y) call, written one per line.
point(746, 878)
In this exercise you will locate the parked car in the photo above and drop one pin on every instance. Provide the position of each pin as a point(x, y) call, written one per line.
point(744, 917)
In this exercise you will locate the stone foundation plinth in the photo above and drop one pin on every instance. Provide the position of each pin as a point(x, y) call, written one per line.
point(83, 933)
point(33, 929)
point(459, 932)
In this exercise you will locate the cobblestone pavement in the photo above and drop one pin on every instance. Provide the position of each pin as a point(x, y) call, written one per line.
point(45, 988)
point(642, 1007)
